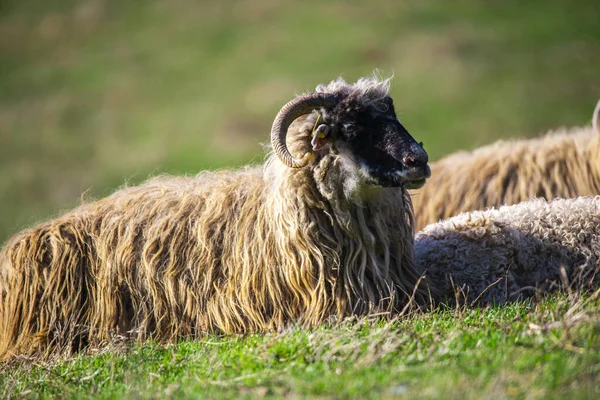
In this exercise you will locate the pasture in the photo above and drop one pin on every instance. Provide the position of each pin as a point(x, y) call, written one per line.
point(537, 349)
point(96, 94)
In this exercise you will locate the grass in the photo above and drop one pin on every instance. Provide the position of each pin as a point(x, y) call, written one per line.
point(96, 93)
point(536, 349)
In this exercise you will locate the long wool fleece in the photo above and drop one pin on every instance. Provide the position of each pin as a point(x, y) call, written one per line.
point(564, 163)
point(231, 252)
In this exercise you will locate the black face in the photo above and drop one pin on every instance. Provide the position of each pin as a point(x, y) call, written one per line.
point(379, 144)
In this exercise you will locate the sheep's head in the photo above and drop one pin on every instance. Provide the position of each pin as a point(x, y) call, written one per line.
point(358, 121)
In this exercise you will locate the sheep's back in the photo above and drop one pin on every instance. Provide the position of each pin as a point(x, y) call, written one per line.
point(564, 163)
point(504, 253)
point(146, 261)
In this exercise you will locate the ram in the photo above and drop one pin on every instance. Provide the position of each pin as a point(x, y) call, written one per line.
point(564, 163)
point(503, 254)
point(322, 230)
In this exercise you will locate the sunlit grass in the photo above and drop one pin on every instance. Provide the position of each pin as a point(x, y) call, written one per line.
point(533, 349)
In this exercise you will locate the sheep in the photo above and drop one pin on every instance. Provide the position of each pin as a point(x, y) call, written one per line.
point(294, 241)
point(504, 254)
point(564, 163)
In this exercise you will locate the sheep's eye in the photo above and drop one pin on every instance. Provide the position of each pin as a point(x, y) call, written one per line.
point(350, 128)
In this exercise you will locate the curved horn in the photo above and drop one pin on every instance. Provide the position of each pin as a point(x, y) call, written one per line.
point(299, 106)
point(596, 118)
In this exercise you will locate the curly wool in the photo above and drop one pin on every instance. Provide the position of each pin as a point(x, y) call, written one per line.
point(368, 90)
point(502, 254)
point(225, 252)
point(564, 163)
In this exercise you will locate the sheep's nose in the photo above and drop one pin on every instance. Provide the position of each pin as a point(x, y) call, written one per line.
point(412, 161)
point(416, 157)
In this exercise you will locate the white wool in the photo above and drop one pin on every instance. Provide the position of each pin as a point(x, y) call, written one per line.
point(501, 254)
point(368, 90)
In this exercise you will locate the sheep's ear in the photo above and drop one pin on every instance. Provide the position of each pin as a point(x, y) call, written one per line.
point(318, 137)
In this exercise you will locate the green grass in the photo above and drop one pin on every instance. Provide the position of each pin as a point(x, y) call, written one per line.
point(96, 93)
point(536, 349)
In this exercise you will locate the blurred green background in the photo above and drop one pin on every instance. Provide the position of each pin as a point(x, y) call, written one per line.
point(98, 93)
